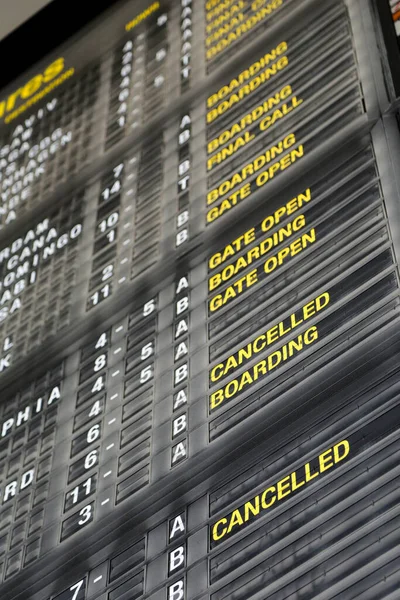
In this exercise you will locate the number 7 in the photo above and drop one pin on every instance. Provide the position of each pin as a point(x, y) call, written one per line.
point(76, 588)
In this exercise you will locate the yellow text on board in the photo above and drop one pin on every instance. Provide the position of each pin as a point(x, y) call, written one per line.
point(251, 78)
point(279, 113)
point(241, 27)
point(256, 507)
point(249, 119)
point(257, 252)
point(264, 367)
point(142, 16)
point(223, 20)
point(239, 286)
point(214, 8)
point(29, 89)
point(252, 168)
point(269, 337)
point(249, 236)
point(264, 160)
point(223, 25)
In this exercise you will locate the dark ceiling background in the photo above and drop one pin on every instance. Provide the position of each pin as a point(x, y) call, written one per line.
point(30, 30)
point(15, 12)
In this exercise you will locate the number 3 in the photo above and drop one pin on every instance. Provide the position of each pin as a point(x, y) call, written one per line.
point(86, 514)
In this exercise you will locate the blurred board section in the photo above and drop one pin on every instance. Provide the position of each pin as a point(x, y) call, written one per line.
point(257, 127)
point(199, 308)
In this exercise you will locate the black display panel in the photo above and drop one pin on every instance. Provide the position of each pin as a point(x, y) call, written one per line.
point(199, 308)
point(387, 15)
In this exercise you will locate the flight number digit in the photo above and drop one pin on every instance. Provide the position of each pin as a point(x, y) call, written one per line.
point(95, 409)
point(76, 588)
point(100, 295)
point(111, 191)
point(102, 341)
point(149, 307)
point(146, 374)
point(91, 460)
point(84, 488)
point(86, 514)
point(100, 363)
point(147, 351)
point(108, 226)
point(98, 384)
point(118, 170)
point(107, 272)
point(93, 434)
point(75, 592)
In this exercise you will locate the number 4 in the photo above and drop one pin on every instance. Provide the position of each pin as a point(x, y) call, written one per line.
point(76, 589)
point(96, 409)
point(102, 341)
point(98, 385)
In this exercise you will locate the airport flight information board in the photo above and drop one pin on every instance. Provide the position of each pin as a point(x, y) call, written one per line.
point(199, 308)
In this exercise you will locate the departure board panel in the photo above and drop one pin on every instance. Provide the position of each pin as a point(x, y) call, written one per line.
point(199, 308)
point(255, 127)
point(394, 6)
point(386, 22)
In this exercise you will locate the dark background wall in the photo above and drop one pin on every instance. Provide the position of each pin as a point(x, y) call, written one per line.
point(13, 14)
